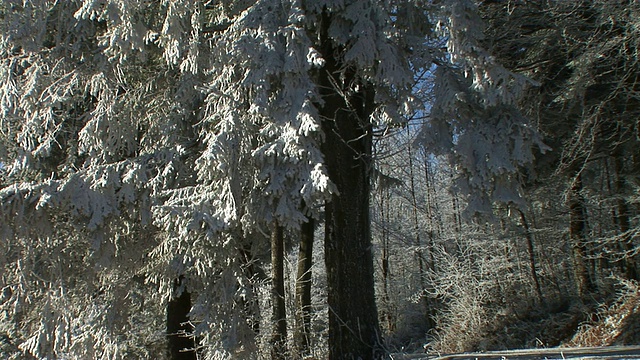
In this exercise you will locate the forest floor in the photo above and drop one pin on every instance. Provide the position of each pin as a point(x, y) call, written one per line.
point(604, 352)
point(602, 328)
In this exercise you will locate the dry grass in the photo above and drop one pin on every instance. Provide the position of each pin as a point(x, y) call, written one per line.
point(617, 323)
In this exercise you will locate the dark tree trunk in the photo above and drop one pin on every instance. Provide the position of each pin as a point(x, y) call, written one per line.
point(181, 343)
point(622, 218)
point(422, 264)
point(577, 233)
point(279, 335)
point(434, 220)
point(348, 102)
point(303, 289)
point(353, 317)
point(385, 199)
point(532, 256)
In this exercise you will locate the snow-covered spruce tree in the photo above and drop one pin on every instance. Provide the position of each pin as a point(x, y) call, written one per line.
point(95, 123)
point(118, 175)
point(360, 92)
point(475, 118)
point(311, 79)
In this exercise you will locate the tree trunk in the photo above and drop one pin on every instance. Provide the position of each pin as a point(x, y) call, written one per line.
point(181, 343)
point(532, 256)
point(433, 218)
point(577, 234)
point(422, 267)
point(279, 335)
point(303, 290)
point(353, 317)
point(385, 200)
point(622, 218)
point(347, 105)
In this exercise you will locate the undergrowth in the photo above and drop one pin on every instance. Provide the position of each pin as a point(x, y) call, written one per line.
point(611, 317)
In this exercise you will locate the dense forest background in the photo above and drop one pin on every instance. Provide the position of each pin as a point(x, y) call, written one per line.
point(317, 179)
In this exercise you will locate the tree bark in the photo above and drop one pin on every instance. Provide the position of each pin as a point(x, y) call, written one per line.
point(622, 218)
point(303, 290)
point(385, 199)
point(532, 256)
point(577, 230)
point(279, 335)
point(433, 218)
point(422, 267)
point(347, 105)
point(181, 343)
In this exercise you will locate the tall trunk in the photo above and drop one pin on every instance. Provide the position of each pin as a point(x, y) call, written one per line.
point(385, 199)
point(279, 335)
point(347, 105)
point(418, 241)
point(622, 218)
point(433, 218)
point(303, 289)
point(607, 187)
point(435, 227)
point(181, 343)
point(577, 233)
point(548, 267)
point(532, 256)
point(457, 220)
point(457, 215)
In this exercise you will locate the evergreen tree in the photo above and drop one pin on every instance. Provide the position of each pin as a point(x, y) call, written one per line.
point(95, 125)
point(582, 54)
point(146, 145)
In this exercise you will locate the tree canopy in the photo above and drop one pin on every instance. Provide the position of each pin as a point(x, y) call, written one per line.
point(148, 148)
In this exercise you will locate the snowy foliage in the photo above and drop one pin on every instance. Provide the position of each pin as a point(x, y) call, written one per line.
point(264, 84)
point(91, 133)
point(141, 141)
point(475, 117)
